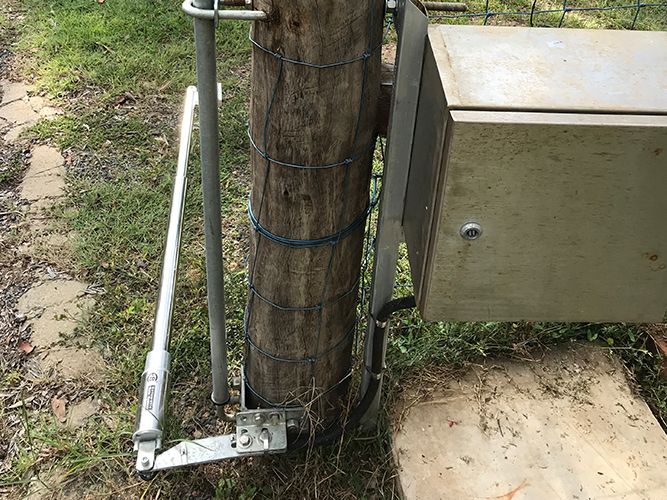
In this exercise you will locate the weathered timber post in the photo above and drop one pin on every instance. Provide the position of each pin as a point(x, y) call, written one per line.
point(315, 85)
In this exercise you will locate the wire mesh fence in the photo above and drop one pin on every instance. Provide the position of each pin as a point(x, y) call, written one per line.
point(609, 14)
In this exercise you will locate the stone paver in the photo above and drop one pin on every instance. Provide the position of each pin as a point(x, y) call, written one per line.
point(43, 159)
point(78, 414)
point(49, 112)
point(49, 328)
point(36, 102)
point(55, 308)
point(18, 112)
point(73, 363)
point(15, 132)
point(51, 246)
point(49, 294)
point(45, 178)
point(42, 192)
point(13, 91)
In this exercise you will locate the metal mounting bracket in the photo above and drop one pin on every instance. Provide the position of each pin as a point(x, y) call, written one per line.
point(258, 432)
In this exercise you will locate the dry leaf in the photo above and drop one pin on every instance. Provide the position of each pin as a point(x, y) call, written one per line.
point(59, 409)
point(26, 347)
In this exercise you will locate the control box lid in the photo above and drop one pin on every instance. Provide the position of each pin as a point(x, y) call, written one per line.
point(552, 70)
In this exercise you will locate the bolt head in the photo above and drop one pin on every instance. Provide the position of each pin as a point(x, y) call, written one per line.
point(244, 440)
point(145, 461)
point(292, 425)
point(258, 418)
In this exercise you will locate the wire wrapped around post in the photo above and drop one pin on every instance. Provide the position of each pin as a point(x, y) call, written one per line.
point(316, 74)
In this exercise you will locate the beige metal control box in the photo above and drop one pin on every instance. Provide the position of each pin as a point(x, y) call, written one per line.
point(538, 181)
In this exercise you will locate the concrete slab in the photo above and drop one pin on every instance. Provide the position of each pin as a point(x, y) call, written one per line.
point(566, 427)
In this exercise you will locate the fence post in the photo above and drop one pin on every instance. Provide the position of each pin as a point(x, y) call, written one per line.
point(315, 83)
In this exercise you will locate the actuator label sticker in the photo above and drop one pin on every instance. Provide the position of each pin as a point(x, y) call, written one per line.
point(150, 397)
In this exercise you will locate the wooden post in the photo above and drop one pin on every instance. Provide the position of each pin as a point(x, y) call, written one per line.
point(315, 85)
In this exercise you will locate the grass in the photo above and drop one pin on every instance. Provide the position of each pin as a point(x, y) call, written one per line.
point(119, 69)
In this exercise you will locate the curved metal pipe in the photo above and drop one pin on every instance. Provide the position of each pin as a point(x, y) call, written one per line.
point(210, 14)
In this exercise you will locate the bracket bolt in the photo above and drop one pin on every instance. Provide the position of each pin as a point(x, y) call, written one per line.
point(259, 418)
point(245, 440)
point(145, 461)
point(274, 418)
point(292, 425)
